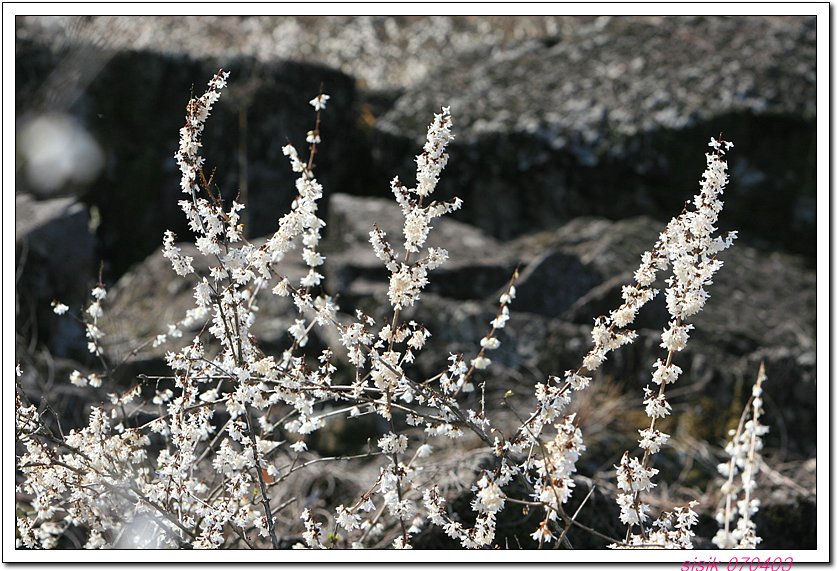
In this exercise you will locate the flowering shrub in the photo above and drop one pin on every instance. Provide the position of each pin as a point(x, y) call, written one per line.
point(208, 470)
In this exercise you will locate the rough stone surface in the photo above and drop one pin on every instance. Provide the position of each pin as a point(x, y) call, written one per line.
point(265, 108)
point(554, 117)
point(612, 119)
point(478, 264)
point(54, 252)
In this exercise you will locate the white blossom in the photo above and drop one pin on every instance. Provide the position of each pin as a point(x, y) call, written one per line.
point(59, 308)
point(481, 362)
point(319, 102)
point(675, 338)
point(393, 443)
point(652, 440)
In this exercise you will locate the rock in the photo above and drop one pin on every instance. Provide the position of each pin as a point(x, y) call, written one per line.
point(477, 267)
point(590, 87)
point(265, 107)
point(54, 252)
point(611, 252)
point(612, 119)
point(573, 274)
point(762, 307)
point(555, 118)
point(151, 296)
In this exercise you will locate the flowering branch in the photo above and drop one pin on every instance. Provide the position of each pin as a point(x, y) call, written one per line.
point(687, 244)
point(222, 435)
point(744, 447)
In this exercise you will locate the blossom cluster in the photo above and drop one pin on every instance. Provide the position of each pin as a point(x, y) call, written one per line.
point(234, 424)
point(408, 279)
point(555, 484)
point(688, 247)
point(743, 449)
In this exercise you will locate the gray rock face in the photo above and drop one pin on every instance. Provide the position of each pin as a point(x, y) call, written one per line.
point(554, 117)
point(591, 88)
point(150, 297)
point(478, 264)
point(135, 106)
point(54, 261)
point(612, 120)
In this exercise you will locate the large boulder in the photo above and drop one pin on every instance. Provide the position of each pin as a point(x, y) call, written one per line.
point(478, 263)
point(612, 119)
